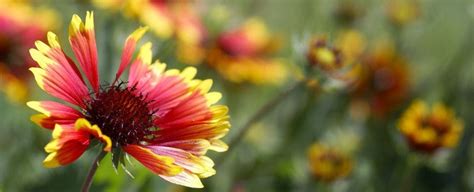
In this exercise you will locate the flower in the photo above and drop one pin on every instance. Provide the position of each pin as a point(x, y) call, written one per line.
point(382, 80)
point(17, 35)
point(324, 56)
point(179, 18)
point(165, 119)
point(244, 55)
point(429, 129)
point(328, 164)
point(402, 12)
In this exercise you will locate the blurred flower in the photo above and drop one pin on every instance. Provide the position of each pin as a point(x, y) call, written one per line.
point(17, 35)
point(382, 80)
point(164, 119)
point(324, 56)
point(327, 164)
point(244, 55)
point(428, 129)
point(341, 60)
point(402, 12)
point(179, 18)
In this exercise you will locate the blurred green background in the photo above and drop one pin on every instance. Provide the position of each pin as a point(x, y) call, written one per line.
point(438, 46)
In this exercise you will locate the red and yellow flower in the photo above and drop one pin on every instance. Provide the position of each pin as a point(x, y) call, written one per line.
point(328, 164)
point(165, 119)
point(244, 55)
point(17, 35)
point(382, 80)
point(429, 129)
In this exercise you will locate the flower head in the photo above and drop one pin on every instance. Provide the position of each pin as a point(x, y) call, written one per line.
point(382, 80)
point(328, 164)
point(323, 55)
point(429, 129)
point(244, 55)
point(17, 35)
point(165, 119)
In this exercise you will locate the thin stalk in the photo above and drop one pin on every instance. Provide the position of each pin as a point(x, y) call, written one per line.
point(88, 182)
point(264, 110)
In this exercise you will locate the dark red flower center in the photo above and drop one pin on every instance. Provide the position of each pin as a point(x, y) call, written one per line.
point(121, 114)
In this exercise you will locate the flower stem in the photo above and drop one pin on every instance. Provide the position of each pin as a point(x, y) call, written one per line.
point(264, 110)
point(88, 182)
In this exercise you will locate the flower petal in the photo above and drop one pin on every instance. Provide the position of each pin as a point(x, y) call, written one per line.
point(53, 113)
point(84, 125)
point(83, 43)
point(129, 48)
point(57, 74)
point(160, 165)
point(67, 146)
point(185, 178)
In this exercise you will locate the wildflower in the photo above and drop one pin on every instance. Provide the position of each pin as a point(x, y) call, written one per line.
point(402, 12)
point(244, 55)
point(165, 119)
point(17, 35)
point(429, 129)
point(324, 56)
point(382, 80)
point(328, 164)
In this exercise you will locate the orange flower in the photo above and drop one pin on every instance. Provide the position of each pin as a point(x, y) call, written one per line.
point(327, 164)
point(428, 129)
point(17, 35)
point(244, 55)
point(165, 119)
point(382, 79)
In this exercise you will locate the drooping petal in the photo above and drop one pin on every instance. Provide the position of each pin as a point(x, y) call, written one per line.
point(53, 113)
point(70, 142)
point(84, 126)
point(185, 178)
point(184, 159)
point(160, 165)
point(128, 49)
point(67, 146)
point(83, 43)
point(57, 74)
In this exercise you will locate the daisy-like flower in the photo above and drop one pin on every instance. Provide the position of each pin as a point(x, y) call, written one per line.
point(17, 35)
point(245, 55)
point(428, 129)
point(328, 164)
point(382, 80)
point(165, 119)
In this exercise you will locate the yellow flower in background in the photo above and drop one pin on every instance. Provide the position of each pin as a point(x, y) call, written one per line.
point(323, 55)
point(340, 60)
point(402, 12)
point(428, 129)
point(352, 45)
point(382, 79)
point(17, 34)
point(165, 119)
point(245, 55)
point(328, 164)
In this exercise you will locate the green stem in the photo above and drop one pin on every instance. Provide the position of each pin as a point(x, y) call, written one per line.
point(88, 182)
point(264, 110)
